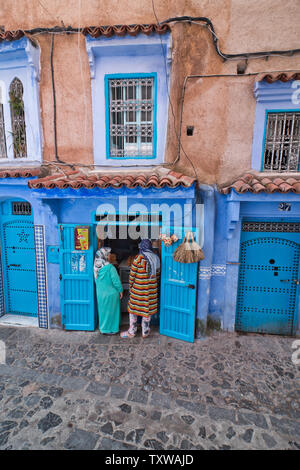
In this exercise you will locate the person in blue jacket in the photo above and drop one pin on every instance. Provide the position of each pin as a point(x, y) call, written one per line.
point(109, 292)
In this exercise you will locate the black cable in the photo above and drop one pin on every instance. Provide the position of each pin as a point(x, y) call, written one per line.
point(170, 102)
point(189, 19)
point(54, 101)
point(244, 55)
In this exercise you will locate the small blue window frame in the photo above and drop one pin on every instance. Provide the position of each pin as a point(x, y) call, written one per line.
point(267, 111)
point(108, 77)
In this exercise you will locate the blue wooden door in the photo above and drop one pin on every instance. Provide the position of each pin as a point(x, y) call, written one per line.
point(19, 267)
point(76, 282)
point(178, 294)
point(268, 283)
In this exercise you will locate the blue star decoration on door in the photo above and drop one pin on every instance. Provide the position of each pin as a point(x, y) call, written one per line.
point(23, 237)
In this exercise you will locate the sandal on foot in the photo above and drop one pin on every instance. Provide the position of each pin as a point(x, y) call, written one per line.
point(126, 334)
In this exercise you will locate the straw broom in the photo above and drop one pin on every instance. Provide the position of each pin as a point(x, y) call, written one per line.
point(188, 251)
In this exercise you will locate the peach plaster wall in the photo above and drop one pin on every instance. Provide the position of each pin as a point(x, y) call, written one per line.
point(221, 109)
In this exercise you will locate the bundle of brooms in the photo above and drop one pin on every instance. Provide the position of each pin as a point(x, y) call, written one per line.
point(188, 251)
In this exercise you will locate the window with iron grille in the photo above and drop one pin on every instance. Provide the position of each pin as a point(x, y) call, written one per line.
point(17, 118)
point(21, 208)
point(282, 142)
point(3, 152)
point(131, 116)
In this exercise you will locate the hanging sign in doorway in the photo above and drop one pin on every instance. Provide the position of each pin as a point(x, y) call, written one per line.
point(81, 235)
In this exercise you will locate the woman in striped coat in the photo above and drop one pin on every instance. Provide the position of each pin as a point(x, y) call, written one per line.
point(143, 286)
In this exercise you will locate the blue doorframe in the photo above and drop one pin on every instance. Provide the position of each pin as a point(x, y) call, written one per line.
point(76, 281)
point(18, 261)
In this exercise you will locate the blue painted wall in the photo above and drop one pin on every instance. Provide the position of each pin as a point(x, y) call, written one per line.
point(21, 59)
point(225, 268)
point(277, 96)
point(52, 207)
point(220, 235)
point(128, 55)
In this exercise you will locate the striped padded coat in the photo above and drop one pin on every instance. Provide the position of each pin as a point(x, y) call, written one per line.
point(143, 299)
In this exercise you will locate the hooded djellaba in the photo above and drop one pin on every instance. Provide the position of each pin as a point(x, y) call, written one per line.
point(109, 292)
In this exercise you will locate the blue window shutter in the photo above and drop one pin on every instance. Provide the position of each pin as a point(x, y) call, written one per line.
point(76, 282)
point(178, 293)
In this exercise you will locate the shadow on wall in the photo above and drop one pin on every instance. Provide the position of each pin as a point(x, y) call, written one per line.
point(55, 321)
point(205, 329)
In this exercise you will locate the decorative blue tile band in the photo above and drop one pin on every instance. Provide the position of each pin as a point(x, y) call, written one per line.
point(39, 241)
point(205, 272)
point(218, 270)
point(2, 308)
point(213, 270)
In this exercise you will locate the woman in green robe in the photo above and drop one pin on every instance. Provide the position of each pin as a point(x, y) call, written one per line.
point(109, 292)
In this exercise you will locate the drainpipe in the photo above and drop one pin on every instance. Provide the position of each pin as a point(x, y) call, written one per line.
point(204, 271)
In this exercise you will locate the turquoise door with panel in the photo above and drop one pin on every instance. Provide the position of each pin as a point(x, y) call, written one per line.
point(268, 278)
point(178, 292)
point(76, 281)
point(19, 266)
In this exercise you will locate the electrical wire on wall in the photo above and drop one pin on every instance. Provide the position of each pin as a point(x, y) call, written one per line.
point(54, 99)
point(170, 102)
point(81, 74)
point(201, 21)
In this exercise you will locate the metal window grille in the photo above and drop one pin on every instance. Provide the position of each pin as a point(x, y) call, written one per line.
point(282, 144)
point(17, 118)
point(271, 227)
point(131, 106)
point(3, 152)
point(21, 208)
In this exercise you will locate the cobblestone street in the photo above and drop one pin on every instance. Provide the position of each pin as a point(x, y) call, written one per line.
point(81, 390)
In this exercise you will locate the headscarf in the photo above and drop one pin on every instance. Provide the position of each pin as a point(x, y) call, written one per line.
point(152, 259)
point(101, 259)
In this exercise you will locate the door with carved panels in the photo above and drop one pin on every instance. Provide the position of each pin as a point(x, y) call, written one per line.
point(268, 278)
point(19, 267)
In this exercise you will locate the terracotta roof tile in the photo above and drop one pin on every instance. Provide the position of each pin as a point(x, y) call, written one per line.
point(97, 31)
point(20, 173)
point(274, 77)
point(121, 30)
point(259, 182)
point(78, 179)
point(11, 35)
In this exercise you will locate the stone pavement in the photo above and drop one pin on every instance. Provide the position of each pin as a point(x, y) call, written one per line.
point(84, 390)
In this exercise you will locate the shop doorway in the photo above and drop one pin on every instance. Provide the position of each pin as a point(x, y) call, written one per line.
point(18, 258)
point(118, 235)
point(178, 283)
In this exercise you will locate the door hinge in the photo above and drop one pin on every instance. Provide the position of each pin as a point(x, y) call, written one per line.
point(191, 286)
point(60, 277)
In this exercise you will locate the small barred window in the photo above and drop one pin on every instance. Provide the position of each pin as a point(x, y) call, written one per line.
point(21, 208)
point(282, 142)
point(131, 106)
point(3, 152)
